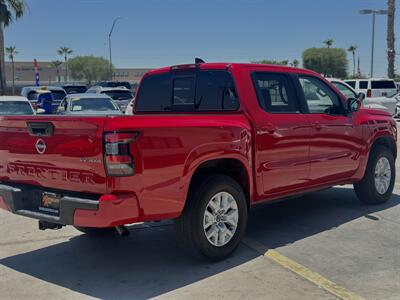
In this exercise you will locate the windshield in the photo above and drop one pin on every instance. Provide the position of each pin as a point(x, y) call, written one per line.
point(345, 90)
point(15, 108)
point(95, 104)
point(119, 95)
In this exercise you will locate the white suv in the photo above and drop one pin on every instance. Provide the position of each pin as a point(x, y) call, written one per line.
point(374, 87)
point(384, 103)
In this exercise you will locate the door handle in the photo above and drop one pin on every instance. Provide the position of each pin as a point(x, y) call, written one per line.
point(317, 126)
point(269, 128)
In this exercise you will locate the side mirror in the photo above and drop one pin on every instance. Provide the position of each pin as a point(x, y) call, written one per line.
point(61, 109)
point(361, 96)
point(353, 104)
point(40, 111)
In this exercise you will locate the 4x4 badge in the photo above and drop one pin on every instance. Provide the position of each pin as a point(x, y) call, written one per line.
point(40, 146)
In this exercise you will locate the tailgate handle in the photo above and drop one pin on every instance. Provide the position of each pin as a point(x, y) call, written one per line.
point(40, 128)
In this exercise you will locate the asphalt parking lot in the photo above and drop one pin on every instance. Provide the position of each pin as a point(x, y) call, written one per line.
point(325, 245)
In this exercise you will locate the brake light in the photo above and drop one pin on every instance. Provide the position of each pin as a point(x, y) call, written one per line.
point(118, 159)
point(369, 93)
point(184, 67)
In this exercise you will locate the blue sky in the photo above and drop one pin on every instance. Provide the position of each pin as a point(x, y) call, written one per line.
point(155, 33)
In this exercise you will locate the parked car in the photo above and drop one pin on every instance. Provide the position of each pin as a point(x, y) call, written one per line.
point(121, 95)
point(207, 142)
point(74, 88)
point(15, 106)
point(374, 87)
point(115, 84)
point(32, 93)
point(384, 103)
point(129, 108)
point(88, 104)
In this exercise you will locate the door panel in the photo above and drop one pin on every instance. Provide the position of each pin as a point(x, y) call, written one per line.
point(334, 147)
point(282, 135)
point(335, 142)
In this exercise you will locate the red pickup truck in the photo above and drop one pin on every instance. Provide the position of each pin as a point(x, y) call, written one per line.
point(207, 141)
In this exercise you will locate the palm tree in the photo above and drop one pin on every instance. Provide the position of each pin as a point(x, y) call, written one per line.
point(10, 10)
point(353, 49)
point(64, 52)
point(328, 43)
point(57, 64)
point(295, 63)
point(391, 54)
point(11, 52)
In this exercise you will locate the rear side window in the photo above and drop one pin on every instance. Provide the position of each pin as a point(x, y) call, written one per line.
point(187, 91)
point(383, 84)
point(275, 92)
point(155, 93)
point(215, 91)
point(351, 83)
point(363, 85)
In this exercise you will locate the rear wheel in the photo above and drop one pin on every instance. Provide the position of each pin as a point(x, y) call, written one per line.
point(214, 219)
point(377, 185)
point(91, 231)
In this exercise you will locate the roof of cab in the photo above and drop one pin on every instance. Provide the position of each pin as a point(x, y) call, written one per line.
point(224, 66)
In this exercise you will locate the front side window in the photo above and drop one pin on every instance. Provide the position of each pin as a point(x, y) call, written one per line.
point(275, 93)
point(319, 97)
point(345, 90)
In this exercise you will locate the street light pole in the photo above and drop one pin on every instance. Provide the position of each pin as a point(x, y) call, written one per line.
point(373, 43)
point(373, 12)
point(109, 45)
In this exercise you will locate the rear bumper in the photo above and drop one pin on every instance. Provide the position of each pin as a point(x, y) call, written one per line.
point(98, 211)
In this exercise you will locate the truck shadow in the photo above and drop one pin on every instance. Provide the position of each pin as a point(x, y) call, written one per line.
point(148, 263)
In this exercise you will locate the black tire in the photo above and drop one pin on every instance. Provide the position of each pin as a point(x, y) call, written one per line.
point(91, 231)
point(189, 226)
point(365, 189)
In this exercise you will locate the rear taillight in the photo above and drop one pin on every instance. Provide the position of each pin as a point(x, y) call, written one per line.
point(118, 159)
point(369, 93)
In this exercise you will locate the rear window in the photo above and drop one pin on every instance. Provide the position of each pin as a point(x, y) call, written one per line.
point(15, 108)
point(75, 89)
point(57, 95)
point(95, 104)
point(383, 84)
point(187, 91)
point(351, 83)
point(363, 85)
point(119, 95)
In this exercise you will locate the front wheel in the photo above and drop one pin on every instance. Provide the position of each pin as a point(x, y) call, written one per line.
point(215, 218)
point(377, 185)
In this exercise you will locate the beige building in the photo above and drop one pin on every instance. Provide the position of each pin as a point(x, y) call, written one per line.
point(25, 73)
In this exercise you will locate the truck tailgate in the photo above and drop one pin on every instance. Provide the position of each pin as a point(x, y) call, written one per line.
point(55, 152)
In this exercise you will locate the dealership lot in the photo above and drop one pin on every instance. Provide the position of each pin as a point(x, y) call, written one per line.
point(330, 233)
